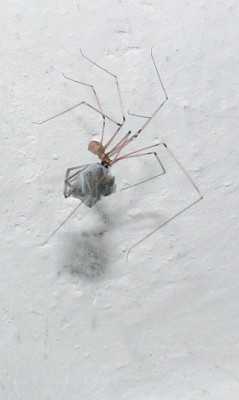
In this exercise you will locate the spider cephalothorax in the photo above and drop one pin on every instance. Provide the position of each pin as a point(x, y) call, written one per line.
point(97, 148)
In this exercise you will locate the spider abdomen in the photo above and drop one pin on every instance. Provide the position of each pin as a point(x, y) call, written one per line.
point(91, 183)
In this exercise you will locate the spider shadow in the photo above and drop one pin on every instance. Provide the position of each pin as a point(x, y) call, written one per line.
point(86, 254)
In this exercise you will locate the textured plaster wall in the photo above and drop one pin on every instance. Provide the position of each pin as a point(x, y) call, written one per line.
point(78, 322)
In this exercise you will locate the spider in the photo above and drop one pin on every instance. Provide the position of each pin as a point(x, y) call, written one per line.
point(90, 182)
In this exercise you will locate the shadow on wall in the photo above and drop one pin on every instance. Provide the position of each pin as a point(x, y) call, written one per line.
point(85, 254)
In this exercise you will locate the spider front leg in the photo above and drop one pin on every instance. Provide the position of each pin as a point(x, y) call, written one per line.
point(148, 118)
point(97, 100)
point(72, 108)
point(120, 125)
point(116, 82)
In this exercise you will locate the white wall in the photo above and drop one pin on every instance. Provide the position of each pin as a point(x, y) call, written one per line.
point(77, 321)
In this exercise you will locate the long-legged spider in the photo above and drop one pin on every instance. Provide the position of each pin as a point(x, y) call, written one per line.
point(92, 181)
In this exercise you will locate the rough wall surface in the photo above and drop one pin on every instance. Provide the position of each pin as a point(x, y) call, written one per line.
point(78, 322)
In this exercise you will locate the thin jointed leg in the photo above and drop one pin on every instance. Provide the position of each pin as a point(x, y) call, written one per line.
point(66, 181)
point(97, 99)
point(119, 96)
point(75, 106)
point(149, 119)
point(116, 81)
point(152, 177)
point(181, 211)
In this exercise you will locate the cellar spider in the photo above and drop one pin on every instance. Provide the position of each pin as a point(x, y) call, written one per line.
point(90, 182)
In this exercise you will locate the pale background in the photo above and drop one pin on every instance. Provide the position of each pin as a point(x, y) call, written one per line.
point(78, 322)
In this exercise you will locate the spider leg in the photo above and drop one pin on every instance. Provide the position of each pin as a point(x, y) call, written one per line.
point(126, 140)
point(116, 81)
point(200, 197)
point(67, 194)
point(112, 137)
point(138, 115)
point(117, 148)
point(97, 99)
point(149, 118)
point(164, 90)
point(163, 171)
point(119, 97)
point(63, 222)
point(75, 106)
point(67, 178)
